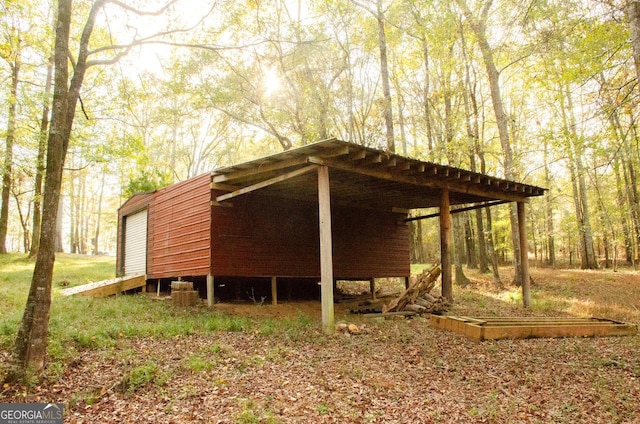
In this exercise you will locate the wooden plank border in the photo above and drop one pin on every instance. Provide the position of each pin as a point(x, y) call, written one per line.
point(494, 328)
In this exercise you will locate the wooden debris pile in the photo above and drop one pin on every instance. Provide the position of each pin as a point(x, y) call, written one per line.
point(417, 297)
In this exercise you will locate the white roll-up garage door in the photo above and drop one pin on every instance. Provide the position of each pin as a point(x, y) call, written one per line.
point(135, 243)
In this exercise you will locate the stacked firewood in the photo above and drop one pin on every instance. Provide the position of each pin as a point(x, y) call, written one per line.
point(417, 297)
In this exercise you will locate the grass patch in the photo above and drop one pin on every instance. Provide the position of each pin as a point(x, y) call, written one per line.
point(143, 375)
point(200, 363)
point(15, 279)
point(85, 323)
point(252, 412)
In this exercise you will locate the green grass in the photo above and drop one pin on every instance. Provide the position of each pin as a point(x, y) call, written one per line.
point(15, 280)
point(84, 323)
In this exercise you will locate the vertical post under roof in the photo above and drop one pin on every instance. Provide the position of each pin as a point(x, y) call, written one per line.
point(445, 245)
point(326, 255)
point(274, 290)
point(210, 298)
point(524, 255)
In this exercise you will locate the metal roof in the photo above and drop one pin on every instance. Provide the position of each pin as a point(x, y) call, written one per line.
point(364, 177)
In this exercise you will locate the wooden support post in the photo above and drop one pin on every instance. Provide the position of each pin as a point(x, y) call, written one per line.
point(274, 290)
point(445, 245)
point(372, 286)
point(326, 258)
point(524, 255)
point(209, 290)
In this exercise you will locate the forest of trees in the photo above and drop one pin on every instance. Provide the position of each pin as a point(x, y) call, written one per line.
point(544, 92)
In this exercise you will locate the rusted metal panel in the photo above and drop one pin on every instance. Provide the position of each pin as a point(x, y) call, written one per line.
point(181, 229)
point(267, 236)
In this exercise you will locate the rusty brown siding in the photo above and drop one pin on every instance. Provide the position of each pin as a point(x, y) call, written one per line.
point(181, 227)
point(368, 243)
point(134, 204)
point(268, 236)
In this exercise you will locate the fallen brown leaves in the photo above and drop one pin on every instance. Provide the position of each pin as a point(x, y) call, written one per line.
point(395, 371)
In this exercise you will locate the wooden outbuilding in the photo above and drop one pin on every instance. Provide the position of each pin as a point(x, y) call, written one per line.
point(329, 210)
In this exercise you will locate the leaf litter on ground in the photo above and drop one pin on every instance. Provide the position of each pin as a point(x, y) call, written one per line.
point(393, 371)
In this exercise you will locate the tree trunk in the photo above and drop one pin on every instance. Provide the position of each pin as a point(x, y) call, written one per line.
point(384, 74)
point(96, 237)
point(469, 239)
point(550, 236)
point(624, 202)
point(378, 14)
point(8, 155)
point(417, 248)
point(40, 168)
point(73, 213)
point(632, 188)
point(493, 257)
point(483, 263)
point(633, 14)
point(458, 251)
point(629, 175)
point(425, 96)
point(479, 28)
point(626, 226)
point(574, 149)
point(400, 101)
point(471, 120)
point(31, 341)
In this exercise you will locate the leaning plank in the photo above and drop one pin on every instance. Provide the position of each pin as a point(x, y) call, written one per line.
point(107, 287)
point(388, 314)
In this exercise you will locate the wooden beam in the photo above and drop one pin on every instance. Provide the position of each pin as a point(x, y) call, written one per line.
point(445, 246)
point(467, 208)
point(224, 205)
point(430, 179)
point(326, 254)
point(210, 290)
point(372, 287)
point(257, 169)
point(107, 287)
point(274, 291)
point(224, 187)
point(358, 155)
point(335, 151)
point(375, 158)
point(266, 183)
point(524, 255)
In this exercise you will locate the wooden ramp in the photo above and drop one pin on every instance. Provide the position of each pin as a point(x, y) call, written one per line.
point(107, 287)
point(492, 328)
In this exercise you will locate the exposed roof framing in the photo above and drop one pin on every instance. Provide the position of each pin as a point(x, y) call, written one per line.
point(365, 177)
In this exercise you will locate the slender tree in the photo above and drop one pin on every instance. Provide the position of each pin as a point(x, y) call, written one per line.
point(31, 340)
point(12, 54)
point(479, 27)
point(376, 8)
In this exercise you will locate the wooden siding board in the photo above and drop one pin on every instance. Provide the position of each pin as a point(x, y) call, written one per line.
point(266, 236)
point(181, 229)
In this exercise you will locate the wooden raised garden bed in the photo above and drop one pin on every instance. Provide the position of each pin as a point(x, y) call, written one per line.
point(492, 328)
